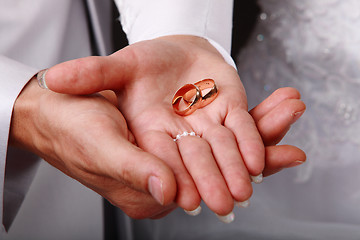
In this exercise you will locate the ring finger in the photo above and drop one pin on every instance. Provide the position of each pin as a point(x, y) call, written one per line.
point(163, 146)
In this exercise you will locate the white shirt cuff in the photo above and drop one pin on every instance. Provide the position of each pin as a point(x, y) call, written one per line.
point(210, 19)
point(13, 77)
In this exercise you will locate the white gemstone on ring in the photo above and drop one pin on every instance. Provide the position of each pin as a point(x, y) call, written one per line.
point(184, 134)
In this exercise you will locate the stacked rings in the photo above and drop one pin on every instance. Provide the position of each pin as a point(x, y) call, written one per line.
point(190, 97)
point(193, 97)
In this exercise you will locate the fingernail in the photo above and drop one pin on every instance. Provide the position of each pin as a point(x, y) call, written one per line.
point(194, 212)
point(156, 189)
point(40, 76)
point(228, 218)
point(243, 204)
point(297, 115)
point(257, 179)
point(294, 164)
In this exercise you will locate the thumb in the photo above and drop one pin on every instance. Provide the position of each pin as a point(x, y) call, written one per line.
point(91, 74)
point(140, 171)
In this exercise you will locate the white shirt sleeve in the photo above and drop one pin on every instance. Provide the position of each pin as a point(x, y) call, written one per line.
point(148, 19)
point(13, 77)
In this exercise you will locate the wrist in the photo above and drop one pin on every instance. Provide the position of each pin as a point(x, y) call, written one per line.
point(22, 120)
point(205, 43)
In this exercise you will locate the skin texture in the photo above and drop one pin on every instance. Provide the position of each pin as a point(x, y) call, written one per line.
point(89, 139)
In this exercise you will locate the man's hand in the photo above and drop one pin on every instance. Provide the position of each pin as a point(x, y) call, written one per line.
point(87, 138)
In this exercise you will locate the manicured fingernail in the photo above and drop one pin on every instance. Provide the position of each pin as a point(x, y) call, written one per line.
point(228, 218)
point(294, 164)
point(194, 212)
point(40, 76)
point(155, 186)
point(243, 204)
point(257, 179)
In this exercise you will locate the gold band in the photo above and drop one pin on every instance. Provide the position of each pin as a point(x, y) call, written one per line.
point(193, 96)
point(207, 97)
point(190, 97)
point(211, 94)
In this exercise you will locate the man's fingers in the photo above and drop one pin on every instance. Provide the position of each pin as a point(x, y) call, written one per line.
point(137, 169)
point(92, 74)
point(282, 156)
point(168, 210)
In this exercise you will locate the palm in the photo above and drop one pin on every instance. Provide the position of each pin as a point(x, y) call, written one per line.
point(146, 104)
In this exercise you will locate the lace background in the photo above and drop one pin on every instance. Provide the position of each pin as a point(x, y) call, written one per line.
point(315, 47)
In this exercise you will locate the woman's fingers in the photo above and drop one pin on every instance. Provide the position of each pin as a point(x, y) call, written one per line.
point(273, 118)
point(197, 156)
point(272, 101)
point(248, 138)
point(276, 113)
point(282, 156)
point(164, 147)
point(228, 158)
point(274, 125)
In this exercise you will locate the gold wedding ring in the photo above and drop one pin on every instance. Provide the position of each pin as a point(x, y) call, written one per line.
point(193, 96)
point(211, 94)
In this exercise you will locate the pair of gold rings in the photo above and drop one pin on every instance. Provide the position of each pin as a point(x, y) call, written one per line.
point(190, 97)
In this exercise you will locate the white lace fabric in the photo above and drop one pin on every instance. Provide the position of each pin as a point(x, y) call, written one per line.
point(315, 47)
